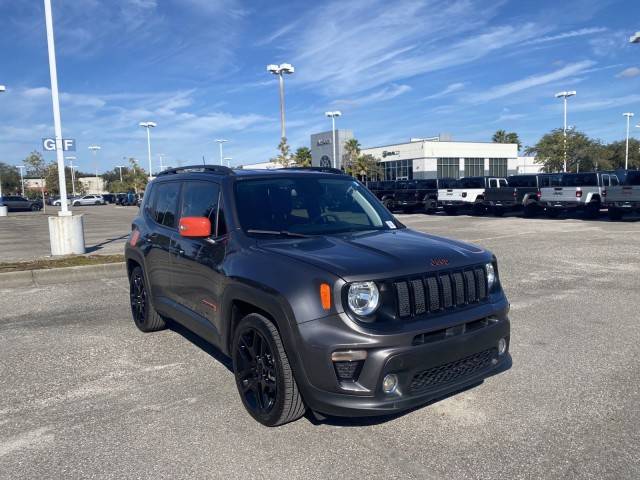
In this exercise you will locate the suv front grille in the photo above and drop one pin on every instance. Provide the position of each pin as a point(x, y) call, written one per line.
point(453, 371)
point(441, 291)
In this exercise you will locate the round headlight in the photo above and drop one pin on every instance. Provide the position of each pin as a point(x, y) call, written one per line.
point(491, 275)
point(363, 298)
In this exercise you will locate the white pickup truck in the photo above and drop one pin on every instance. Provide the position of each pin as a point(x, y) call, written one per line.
point(577, 191)
point(624, 198)
point(468, 193)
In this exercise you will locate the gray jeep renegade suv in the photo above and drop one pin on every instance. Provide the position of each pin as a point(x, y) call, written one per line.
point(321, 297)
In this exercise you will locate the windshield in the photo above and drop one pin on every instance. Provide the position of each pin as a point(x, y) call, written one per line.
point(309, 205)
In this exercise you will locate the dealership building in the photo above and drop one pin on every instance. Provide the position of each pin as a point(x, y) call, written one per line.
point(322, 149)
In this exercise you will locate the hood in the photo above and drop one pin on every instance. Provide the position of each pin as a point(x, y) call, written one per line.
point(379, 255)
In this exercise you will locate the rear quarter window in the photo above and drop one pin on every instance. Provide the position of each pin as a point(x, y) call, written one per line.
point(166, 203)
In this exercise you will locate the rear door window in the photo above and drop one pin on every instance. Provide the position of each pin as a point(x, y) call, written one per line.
point(200, 199)
point(166, 208)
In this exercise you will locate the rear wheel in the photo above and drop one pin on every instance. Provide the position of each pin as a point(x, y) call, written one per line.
point(388, 203)
point(498, 211)
point(263, 374)
point(593, 210)
point(552, 212)
point(479, 209)
point(35, 208)
point(144, 315)
point(530, 210)
point(97, 203)
point(450, 210)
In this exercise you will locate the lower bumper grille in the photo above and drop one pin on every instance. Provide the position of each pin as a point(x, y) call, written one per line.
point(453, 371)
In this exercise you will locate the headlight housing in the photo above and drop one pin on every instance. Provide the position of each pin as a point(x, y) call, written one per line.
point(363, 298)
point(492, 278)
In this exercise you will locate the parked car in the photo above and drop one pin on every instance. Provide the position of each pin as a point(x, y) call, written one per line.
point(320, 296)
point(468, 193)
point(385, 191)
point(412, 195)
point(17, 202)
point(577, 191)
point(624, 198)
point(522, 194)
point(88, 200)
point(109, 197)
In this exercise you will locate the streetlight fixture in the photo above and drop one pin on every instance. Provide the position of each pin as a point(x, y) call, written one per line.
point(21, 168)
point(332, 116)
point(220, 141)
point(635, 38)
point(626, 151)
point(149, 126)
point(564, 96)
point(281, 70)
point(120, 167)
point(228, 160)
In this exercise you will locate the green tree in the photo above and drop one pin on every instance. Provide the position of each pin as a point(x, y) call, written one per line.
point(501, 136)
point(364, 167)
point(583, 153)
point(614, 154)
point(302, 157)
point(37, 168)
point(53, 182)
point(284, 157)
point(351, 154)
point(10, 179)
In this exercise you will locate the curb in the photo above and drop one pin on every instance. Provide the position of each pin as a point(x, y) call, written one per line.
point(53, 276)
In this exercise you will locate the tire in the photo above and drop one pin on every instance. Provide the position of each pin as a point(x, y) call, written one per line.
point(530, 211)
point(98, 203)
point(593, 210)
point(615, 214)
point(144, 315)
point(76, 204)
point(35, 208)
point(498, 212)
point(263, 374)
point(451, 210)
point(552, 212)
point(388, 204)
point(479, 209)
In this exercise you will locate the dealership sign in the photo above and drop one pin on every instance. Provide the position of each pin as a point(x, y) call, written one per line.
point(323, 141)
point(68, 144)
point(386, 153)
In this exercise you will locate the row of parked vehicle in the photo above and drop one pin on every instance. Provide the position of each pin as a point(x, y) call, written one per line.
point(533, 194)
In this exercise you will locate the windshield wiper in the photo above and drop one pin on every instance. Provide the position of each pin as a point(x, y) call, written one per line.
point(284, 233)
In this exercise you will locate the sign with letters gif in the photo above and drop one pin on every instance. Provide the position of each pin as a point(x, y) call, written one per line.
point(68, 144)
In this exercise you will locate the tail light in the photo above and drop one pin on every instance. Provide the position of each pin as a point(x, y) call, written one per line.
point(578, 193)
point(538, 195)
point(604, 193)
point(515, 194)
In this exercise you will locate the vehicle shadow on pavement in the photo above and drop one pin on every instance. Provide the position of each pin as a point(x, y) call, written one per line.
point(202, 344)
point(98, 246)
point(378, 420)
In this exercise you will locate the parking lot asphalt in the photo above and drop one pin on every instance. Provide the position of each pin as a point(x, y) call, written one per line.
point(84, 394)
point(25, 235)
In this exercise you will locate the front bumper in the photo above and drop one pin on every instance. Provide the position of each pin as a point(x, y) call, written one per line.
point(425, 372)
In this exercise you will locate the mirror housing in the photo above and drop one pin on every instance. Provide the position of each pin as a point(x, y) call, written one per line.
point(195, 227)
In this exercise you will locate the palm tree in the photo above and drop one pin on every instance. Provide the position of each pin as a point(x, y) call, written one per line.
point(302, 157)
point(284, 158)
point(501, 136)
point(365, 166)
point(351, 153)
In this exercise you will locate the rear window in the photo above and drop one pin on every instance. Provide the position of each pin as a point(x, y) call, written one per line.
point(448, 183)
point(427, 183)
point(522, 181)
point(633, 178)
point(579, 180)
point(472, 182)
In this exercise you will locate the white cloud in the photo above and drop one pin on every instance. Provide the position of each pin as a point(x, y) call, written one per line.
point(378, 96)
point(563, 36)
point(454, 87)
point(629, 72)
point(511, 88)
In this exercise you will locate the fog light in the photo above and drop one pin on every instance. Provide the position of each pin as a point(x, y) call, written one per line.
point(502, 346)
point(390, 383)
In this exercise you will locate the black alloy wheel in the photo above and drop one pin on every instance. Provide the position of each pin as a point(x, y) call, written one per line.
point(144, 315)
point(256, 371)
point(264, 377)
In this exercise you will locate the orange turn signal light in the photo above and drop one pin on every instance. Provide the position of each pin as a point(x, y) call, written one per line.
point(325, 296)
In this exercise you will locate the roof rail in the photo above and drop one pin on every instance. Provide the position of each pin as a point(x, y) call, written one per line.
point(219, 169)
point(318, 169)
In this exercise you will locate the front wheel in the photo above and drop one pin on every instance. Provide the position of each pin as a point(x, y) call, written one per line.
point(263, 374)
point(76, 204)
point(450, 210)
point(615, 214)
point(144, 315)
point(35, 208)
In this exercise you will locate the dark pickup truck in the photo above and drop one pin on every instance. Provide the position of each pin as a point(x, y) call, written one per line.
point(412, 195)
point(385, 191)
point(521, 194)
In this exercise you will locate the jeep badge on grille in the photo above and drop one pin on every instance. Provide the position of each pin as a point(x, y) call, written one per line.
point(438, 262)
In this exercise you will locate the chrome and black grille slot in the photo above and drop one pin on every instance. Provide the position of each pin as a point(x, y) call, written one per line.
point(443, 291)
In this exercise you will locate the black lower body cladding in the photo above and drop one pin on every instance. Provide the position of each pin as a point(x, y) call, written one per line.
point(439, 356)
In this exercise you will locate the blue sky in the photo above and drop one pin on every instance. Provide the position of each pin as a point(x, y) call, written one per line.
point(396, 69)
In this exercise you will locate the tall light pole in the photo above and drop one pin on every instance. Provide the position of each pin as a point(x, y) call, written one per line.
point(564, 96)
point(71, 158)
point(332, 116)
point(3, 209)
point(161, 157)
point(94, 150)
point(120, 167)
point(149, 126)
point(626, 152)
point(281, 70)
point(228, 160)
point(21, 168)
point(220, 141)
